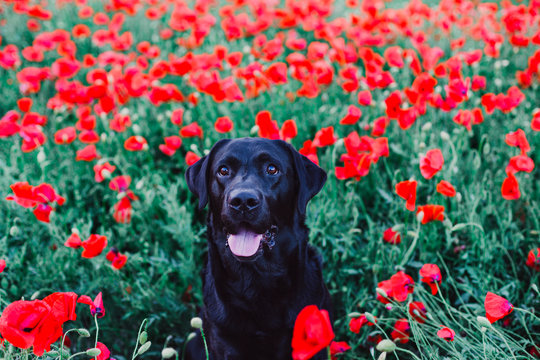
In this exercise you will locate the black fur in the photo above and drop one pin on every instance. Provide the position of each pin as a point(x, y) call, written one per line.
point(250, 304)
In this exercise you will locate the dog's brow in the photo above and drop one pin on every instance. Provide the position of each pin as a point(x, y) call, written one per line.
point(230, 160)
point(264, 156)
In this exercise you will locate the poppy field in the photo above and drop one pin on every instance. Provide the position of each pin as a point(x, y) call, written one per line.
point(425, 116)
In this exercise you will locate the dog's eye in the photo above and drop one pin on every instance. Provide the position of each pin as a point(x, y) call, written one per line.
point(223, 171)
point(272, 169)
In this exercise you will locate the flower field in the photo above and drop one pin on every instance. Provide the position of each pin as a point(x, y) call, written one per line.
point(425, 116)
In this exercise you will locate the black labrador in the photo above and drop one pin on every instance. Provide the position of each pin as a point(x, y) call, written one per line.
point(261, 271)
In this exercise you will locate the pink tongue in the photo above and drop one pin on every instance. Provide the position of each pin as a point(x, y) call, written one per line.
point(245, 243)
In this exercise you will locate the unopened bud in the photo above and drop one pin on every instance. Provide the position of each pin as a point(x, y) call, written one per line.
point(382, 356)
point(144, 348)
point(93, 352)
point(41, 156)
point(14, 231)
point(354, 314)
point(381, 292)
point(34, 295)
point(190, 336)
point(196, 323)
point(83, 332)
point(483, 321)
point(386, 345)
point(168, 353)
point(445, 136)
point(143, 337)
point(370, 317)
point(420, 216)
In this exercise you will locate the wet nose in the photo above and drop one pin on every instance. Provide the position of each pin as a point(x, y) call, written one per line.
point(244, 200)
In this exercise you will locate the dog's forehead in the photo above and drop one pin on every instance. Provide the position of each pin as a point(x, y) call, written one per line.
point(246, 149)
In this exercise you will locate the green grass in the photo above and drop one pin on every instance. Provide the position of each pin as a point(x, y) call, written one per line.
point(166, 240)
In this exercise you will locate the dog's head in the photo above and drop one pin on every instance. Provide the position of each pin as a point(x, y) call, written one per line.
point(254, 187)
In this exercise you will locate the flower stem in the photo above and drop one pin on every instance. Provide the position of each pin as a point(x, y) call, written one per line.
point(76, 354)
point(205, 345)
point(97, 330)
point(329, 352)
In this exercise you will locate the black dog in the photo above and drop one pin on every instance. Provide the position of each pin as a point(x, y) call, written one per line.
point(261, 271)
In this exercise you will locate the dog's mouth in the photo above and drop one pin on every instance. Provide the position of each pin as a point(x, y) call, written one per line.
point(247, 245)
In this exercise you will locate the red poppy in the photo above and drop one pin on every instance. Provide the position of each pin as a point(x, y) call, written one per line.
point(312, 332)
point(117, 260)
point(288, 130)
point(191, 130)
point(93, 246)
point(120, 183)
point(446, 189)
point(446, 333)
point(431, 213)
point(136, 143)
point(431, 163)
point(172, 143)
point(268, 128)
point(88, 153)
point(22, 320)
point(518, 139)
point(103, 171)
point(533, 259)
point(223, 124)
point(407, 190)
point(324, 137)
point(120, 122)
point(497, 307)
point(96, 305)
point(62, 305)
point(401, 286)
point(520, 163)
point(510, 188)
point(191, 158)
point(24, 104)
point(357, 323)
point(418, 311)
point(23, 195)
point(105, 353)
point(338, 347)
point(535, 122)
point(391, 236)
point(177, 116)
point(401, 331)
point(73, 241)
point(431, 275)
point(352, 116)
point(2, 265)
point(65, 136)
point(123, 210)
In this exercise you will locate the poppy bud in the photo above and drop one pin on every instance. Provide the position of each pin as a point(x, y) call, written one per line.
point(427, 127)
point(370, 317)
point(381, 292)
point(34, 295)
point(83, 332)
point(41, 156)
point(196, 323)
point(144, 348)
point(445, 136)
point(383, 355)
point(14, 231)
point(483, 321)
point(354, 314)
point(52, 354)
point(386, 346)
point(93, 352)
point(168, 353)
point(143, 337)
point(420, 216)
point(190, 336)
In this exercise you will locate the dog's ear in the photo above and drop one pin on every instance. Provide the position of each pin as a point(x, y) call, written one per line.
point(197, 175)
point(311, 179)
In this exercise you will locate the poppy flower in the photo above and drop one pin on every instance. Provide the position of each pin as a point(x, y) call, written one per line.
point(391, 236)
point(21, 321)
point(73, 241)
point(123, 210)
point(510, 188)
point(177, 116)
point(520, 163)
point(338, 347)
point(62, 305)
point(401, 286)
point(407, 190)
point(117, 260)
point(96, 305)
point(364, 97)
point(120, 122)
point(23, 195)
point(223, 124)
point(418, 311)
point(105, 352)
point(431, 163)
point(136, 143)
point(120, 183)
point(88, 153)
point(88, 137)
point(356, 323)
point(533, 259)
point(518, 139)
point(288, 130)
point(24, 104)
point(172, 143)
point(312, 332)
point(2, 265)
point(446, 333)
point(268, 128)
point(65, 136)
point(103, 171)
point(191, 158)
point(401, 331)
point(191, 130)
point(446, 189)
point(431, 213)
point(431, 275)
point(93, 246)
point(352, 116)
point(535, 122)
point(497, 307)
point(324, 137)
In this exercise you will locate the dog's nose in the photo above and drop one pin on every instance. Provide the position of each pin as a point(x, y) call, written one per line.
point(244, 200)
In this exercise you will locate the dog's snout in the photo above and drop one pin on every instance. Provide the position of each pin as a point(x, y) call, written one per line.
point(244, 200)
